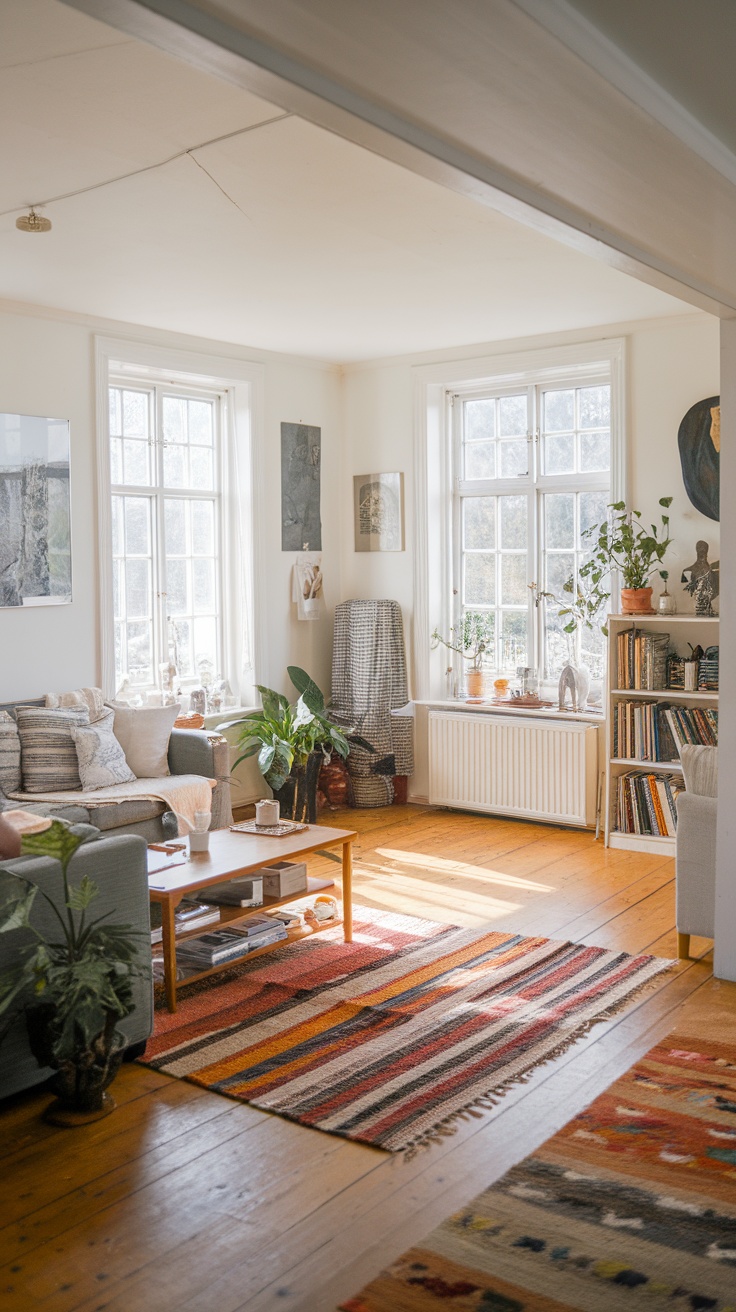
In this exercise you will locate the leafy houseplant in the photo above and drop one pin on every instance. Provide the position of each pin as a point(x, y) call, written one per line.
point(473, 637)
point(625, 544)
point(73, 988)
point(291, 741)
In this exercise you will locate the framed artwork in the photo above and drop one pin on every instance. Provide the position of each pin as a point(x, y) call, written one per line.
point(379, 512)
point(699, 440)
point(35, 513)
point(301, 526)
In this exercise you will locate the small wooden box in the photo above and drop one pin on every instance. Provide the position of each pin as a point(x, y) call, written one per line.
point(284, 879)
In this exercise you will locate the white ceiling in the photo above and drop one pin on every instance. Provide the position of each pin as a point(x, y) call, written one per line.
point(282, 237)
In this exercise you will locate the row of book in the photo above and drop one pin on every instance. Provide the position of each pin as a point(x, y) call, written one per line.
point(643, 663)
point(645, 804)
point(641, 659)
point(655, 731)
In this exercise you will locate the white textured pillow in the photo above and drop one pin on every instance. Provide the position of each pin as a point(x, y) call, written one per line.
point(81, 699)
point(48, 754)
point(143, 733)
point(9, 754)
point(700, 769)
point(100, 757)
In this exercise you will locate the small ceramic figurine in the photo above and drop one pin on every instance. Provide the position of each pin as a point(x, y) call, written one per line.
point(704, 580)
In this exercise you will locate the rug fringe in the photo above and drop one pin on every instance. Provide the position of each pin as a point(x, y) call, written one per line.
point(485, 1102)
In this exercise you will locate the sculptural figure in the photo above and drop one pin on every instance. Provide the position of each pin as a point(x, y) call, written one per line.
point(702, 580)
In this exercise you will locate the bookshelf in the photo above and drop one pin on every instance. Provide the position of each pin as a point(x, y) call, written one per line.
point(682, 630)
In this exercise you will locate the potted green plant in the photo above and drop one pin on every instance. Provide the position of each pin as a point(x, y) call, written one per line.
point(291, 741)
point(470, 640)
point(73, 988)
point(624, 543)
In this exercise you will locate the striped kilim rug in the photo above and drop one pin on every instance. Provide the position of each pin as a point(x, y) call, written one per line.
point(387, 1039)
point(630, 1208)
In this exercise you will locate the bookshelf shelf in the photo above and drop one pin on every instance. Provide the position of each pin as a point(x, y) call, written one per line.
point(682, 630)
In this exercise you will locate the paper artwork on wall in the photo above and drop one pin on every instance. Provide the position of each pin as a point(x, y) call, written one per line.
point(379, 512)
point(307, 587)
point(301, 526)
point(699, 440)
point(35, 520)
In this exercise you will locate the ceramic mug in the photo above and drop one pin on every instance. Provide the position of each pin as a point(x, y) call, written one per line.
point(267, 812)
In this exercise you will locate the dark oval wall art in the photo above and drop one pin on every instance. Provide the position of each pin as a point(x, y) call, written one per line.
point(699, 440)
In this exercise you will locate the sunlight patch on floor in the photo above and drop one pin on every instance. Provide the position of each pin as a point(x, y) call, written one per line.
point(441, 864)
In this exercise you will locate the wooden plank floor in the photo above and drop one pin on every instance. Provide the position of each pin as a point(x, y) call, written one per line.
point(183, 1199)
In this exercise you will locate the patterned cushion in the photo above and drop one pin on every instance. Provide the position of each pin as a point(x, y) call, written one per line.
point(48, 753)
point(82, 699)
point(9, 754)
point(100, 757)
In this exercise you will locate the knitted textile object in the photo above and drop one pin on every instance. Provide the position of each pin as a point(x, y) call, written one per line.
point(368, 682)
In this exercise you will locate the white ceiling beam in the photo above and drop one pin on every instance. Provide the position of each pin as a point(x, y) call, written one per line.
point(481, 98)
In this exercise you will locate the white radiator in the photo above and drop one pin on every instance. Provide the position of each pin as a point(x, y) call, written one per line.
point(541, 769)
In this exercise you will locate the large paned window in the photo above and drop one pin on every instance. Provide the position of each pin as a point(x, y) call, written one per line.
point(531, 472)
point(165, 473)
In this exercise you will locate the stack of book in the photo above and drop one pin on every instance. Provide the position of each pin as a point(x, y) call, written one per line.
point(641, 659)
point(225, 945)
point(708, 671)
point(245, 891)
point(189, 915)
point(645, 804)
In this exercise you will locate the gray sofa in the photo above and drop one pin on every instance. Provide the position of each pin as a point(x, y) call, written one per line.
point(118, 867)
point(695, 846)
point(191, 751)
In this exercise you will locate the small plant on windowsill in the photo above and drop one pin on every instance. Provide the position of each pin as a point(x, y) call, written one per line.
point(471, 639)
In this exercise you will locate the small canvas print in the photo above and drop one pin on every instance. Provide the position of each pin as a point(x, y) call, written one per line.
point(379, 512)
point(301, 526)
point(35, 521)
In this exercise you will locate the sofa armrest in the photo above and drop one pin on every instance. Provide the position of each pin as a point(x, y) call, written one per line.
point(695, 864)
point(207, 753)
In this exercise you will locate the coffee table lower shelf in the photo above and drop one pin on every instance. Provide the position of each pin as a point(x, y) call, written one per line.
point(292, 936)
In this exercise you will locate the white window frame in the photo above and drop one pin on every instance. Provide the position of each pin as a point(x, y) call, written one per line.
point(436, 551)
point(242, 541)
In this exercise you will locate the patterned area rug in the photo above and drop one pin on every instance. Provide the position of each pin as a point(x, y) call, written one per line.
point(387, 1039)
point(631, 1206)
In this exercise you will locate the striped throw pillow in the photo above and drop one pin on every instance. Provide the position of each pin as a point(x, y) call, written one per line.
point(9, 754)
point(48, 753)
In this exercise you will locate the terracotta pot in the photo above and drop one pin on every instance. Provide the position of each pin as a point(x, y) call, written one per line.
point(474, 683)
point(636, 601)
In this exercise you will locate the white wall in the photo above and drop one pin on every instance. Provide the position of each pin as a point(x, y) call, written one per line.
point(47, 368)
point(670, 365)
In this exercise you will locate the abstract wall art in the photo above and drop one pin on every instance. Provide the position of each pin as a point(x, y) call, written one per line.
point(301, 526)
point(699, 440)
point(35, 519)
point(379, 512)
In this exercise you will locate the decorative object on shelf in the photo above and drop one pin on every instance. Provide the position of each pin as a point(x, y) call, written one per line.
point(666, 604)
point(301, 525)
point(470, 641)
point(379, 512)
point(623, 543)
point(699, 440)
point(501, 688)
point(73, 989)
point(704, 580)
point(691, 668)
point(35, 532)
point(198, 702)
point(292, 741)
point(522, 701)
point(574, 679)
point(307, 586)
point(369, 685)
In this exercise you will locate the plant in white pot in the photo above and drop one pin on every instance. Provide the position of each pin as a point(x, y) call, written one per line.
point(471, 639)
point(623, 543)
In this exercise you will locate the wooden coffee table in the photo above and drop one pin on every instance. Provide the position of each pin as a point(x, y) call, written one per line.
point(232, 854)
